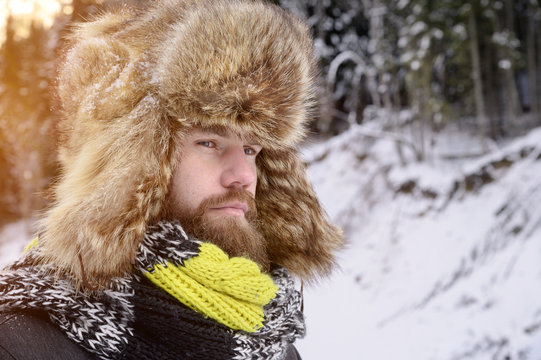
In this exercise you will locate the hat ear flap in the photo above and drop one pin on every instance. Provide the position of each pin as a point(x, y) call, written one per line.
point(110, 190)
point(299, 235)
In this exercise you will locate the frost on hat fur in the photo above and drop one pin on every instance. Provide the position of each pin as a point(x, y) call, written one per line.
point(136, 80)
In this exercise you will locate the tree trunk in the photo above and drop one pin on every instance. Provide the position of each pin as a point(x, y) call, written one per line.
point(511, 101)
point(530, 59)
point(396, 102)
point(320, 11)
point(538, 36)
point(510, 15)
point(372, 10)
point(491, 89)
point(477, 82)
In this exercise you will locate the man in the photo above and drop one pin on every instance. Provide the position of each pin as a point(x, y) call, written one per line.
point(182, 205)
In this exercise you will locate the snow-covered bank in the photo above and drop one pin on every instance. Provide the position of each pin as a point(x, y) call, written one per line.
point(13, 238)
point(443, 260)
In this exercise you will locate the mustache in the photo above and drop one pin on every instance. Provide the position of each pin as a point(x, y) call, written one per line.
point(239, 195)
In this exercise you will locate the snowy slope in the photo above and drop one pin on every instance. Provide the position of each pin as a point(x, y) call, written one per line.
point(443, 260)
point(13, 238)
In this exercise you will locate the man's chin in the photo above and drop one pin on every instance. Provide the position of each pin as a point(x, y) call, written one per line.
point(233, 234)
point(219, 221)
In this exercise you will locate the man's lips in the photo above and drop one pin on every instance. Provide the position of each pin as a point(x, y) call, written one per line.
point(233, 208)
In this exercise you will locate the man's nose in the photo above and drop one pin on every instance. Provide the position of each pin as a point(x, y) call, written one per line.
point(239, 170)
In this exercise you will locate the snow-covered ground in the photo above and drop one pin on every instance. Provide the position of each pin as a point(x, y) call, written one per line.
point(13, 238)
point(443, 260)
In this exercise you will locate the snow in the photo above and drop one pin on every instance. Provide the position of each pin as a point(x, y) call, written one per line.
point(442, 257)
point(504, 64)
point(460, 31)
point(417, 28)
point(453, 275)
point(13, 238)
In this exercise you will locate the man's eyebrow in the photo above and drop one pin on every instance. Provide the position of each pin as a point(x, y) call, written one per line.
point(224, 132)
point(217, 130)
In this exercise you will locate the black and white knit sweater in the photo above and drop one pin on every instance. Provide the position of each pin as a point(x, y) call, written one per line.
point(168, 308)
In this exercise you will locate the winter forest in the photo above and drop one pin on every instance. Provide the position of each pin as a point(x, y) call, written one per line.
point(425, 149)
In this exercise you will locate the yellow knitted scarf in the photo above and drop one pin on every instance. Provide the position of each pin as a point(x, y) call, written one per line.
point(232, 291)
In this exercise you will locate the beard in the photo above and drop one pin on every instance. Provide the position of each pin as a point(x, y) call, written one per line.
point(236, 236)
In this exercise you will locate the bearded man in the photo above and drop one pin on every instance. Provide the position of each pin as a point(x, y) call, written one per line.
point(182, 206)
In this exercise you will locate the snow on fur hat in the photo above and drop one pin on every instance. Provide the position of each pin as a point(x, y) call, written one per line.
point(134, 81)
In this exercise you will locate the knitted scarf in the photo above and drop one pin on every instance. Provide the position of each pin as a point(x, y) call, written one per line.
point(185, 299)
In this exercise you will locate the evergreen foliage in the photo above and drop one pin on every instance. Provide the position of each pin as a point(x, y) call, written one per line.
point(422, 54)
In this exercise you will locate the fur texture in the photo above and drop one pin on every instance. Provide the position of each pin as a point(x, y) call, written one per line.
point(136, 80)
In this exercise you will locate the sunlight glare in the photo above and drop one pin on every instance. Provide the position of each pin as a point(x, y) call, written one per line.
point(21, 7)
point(27, 11)
point(67, 10)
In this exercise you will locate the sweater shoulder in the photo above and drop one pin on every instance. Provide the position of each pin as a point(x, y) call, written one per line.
point(31, 335)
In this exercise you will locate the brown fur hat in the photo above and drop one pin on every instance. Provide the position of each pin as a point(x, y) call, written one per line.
point(136, 79)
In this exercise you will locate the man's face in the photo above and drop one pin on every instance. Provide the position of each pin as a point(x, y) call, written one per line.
point(214, 163)
point(213, 189)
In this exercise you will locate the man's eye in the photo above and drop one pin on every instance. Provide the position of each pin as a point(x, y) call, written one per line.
point(208, 144)
point(250, 151)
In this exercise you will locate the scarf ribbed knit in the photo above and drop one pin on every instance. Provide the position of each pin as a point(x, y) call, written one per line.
point(184, 300)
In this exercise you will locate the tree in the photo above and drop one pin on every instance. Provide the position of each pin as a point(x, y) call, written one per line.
point(532, 11)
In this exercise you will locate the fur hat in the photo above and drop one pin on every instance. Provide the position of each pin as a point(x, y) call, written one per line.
point(135, 80)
